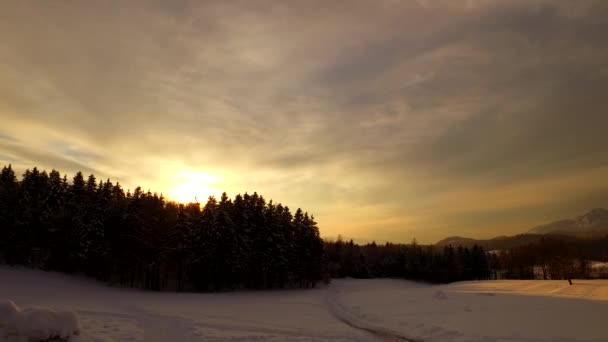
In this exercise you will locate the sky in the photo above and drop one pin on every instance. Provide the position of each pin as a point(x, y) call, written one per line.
point(388, 120)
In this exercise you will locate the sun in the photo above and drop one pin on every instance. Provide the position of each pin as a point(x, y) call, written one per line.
point(192, 186)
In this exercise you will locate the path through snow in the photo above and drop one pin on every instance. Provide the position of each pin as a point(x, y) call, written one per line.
point(352, 319)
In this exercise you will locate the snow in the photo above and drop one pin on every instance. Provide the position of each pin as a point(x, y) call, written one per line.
point(347, 310)
point(599, 264)
point(533, 310)
point(599, 269)
point(115, 314)
point(36, 323)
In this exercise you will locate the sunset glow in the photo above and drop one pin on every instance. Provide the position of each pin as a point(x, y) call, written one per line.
point(344, 148)
point(386, 119)
point(192, 186)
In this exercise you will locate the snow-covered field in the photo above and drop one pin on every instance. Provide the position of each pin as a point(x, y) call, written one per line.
point(347, 310)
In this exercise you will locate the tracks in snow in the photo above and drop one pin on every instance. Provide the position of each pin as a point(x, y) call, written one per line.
point(342, 314)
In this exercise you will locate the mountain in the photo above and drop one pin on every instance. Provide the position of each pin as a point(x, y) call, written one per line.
point(592, 223)
point(497, 243)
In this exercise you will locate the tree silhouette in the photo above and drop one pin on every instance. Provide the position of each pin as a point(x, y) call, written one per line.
point(139, 239)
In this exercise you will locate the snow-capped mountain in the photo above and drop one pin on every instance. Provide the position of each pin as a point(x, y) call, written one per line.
point(595, 221)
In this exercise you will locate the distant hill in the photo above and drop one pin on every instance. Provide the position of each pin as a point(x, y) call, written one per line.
point(501, 242)
point(458, 241)
point(592, 223)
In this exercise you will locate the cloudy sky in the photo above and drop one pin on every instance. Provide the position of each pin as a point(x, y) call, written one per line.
point(388, 120)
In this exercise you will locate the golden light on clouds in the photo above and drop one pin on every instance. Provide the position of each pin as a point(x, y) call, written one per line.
point(385, 119)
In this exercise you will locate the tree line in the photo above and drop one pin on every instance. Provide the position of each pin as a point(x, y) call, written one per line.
point(139, 239)
point(550, 257)
point(555, 257)
point(412, 261)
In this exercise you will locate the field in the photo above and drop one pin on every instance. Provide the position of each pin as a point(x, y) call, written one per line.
point(346, 310)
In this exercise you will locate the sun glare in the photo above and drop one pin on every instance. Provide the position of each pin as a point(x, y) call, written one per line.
point(193, 186)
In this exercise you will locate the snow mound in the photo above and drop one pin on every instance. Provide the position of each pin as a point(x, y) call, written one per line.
point(440, 295)
point(36, 324)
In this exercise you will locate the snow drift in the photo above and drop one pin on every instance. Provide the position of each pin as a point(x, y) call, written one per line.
point(36, 324)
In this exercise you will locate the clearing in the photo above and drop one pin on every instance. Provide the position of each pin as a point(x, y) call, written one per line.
point(346, 310)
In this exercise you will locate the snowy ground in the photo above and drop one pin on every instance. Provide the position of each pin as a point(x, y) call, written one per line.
point(347, 310)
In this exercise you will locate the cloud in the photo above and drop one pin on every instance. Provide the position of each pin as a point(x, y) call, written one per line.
point(22, 156)
point(377, 116)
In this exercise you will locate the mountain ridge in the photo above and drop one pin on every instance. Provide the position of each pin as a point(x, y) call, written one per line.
point(596, 220)
point(594, 223)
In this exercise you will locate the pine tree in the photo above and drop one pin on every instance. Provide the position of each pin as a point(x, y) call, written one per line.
point(33, 221)
point(9, 192)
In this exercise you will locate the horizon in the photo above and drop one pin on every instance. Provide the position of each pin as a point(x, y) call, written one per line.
point(387, 120)
point(339, 236)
